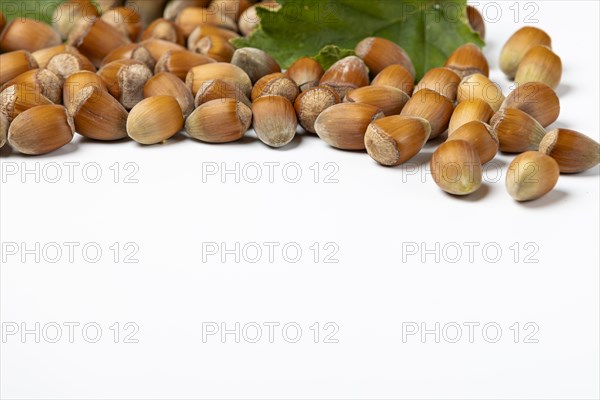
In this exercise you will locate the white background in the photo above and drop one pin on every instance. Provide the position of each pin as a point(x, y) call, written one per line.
point(371, 214)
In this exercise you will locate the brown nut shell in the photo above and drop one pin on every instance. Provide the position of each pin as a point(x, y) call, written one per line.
point(2, 21)
point(215, 47)
point(3, 129)
point(125, 80)
point(189, 18)
point(131, 51)
point(219, 121)
point(14, 64)
point(180, 62)
point(344, 125)
point(255, 62)
point(16, 99)
point(540, 64)
point(204, 30)
point(517, 131)
point(97, 115)
point(536, 99)
point(126, 20)
point(394, 140)
point(531, 175)
point(164, 29)
point(42, 56)
point(274, 120)
point(41, 80)
point(68, 13)
point(476, 21)
point(573, 151)
point(105, 5)
point(468, 59)
point(517, 46)
point(167, 84)
point(396, 76)
point(155, 120)
point(481, 136)
point(379, 53)
point(434, 107)
point(306, 72)
point(148, 10)
point(478, 86)
point(229, 73)
point(29, 35)
point(470, 110)
point(442, 80)
point(78, 81)
point(95, 39)
point(249, 19)
point(389, 99)
point(158, 48)
point(41, 130)
point(217, 89)
point(345, 75)
point(456, 168)
point(311, 103)
point(174, 7)
point(276, 84)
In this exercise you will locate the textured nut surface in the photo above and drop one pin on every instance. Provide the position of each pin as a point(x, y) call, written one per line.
point(394, 140)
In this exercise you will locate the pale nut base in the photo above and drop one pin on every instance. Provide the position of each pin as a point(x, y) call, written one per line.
point(381, 147)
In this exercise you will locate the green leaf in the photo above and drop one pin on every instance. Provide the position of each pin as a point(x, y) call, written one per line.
point(330, 54)
point(428, 30)
point(35, 9)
